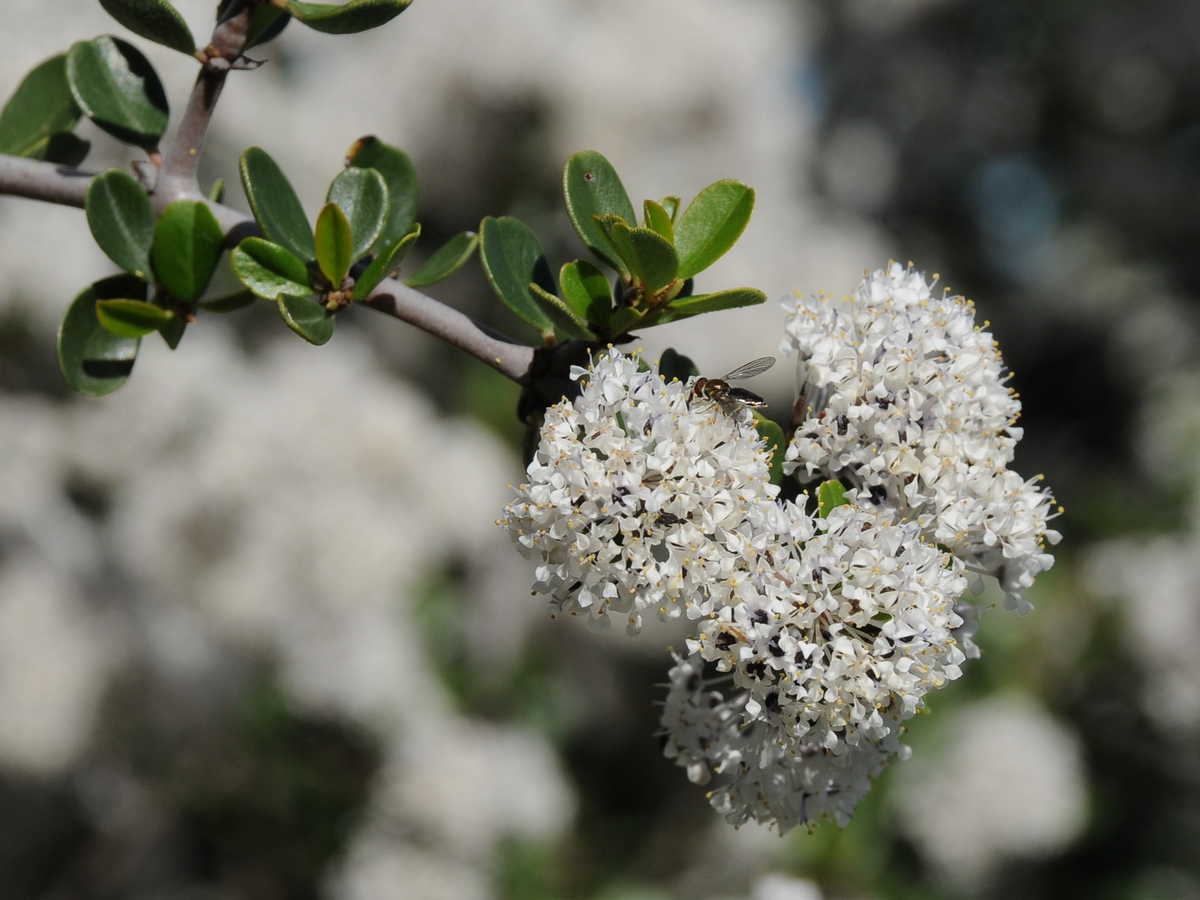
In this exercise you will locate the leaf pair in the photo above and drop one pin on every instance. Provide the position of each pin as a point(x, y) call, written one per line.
point(178, 251)
point(158, 20)
point(370, 208)
point(597, 204)
point(519, 274)
point(655, 261)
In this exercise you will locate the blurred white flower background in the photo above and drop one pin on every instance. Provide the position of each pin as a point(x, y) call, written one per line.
point(260, 636)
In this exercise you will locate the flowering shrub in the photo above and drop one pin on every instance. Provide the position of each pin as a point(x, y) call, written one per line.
point(818, 626)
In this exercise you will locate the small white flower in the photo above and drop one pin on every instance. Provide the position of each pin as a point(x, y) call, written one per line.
point(906, 400)
point(640, 499)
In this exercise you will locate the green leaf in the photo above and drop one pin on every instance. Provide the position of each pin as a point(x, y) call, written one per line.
point(122, 220)
point(658, 220)
point(230, 302)
point(625, 318)
point(446, 260)
point(335, 244)
point(348, 18)
point(513, 259)
point(155, 20)
point(172, 331)
point(269, 270)
point(93, 360)
point(830, 495)
point(567, 322)
point(217, 193)
point(648, 255)
point(673, 364)
point(704, 303)
point(131, 318)
point(307, 318)
point(671, 206)
point(772, 434)
point(118, 89)
point(266, 24)
point(362, 195)
point(711, 224)
point(397, 170)
point(41, 107)
point(591, 188)
point(187, 244)
point(275, 205)
point(587, 290)
point(384, 264)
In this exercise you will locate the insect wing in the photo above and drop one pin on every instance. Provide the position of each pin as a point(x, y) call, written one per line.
point(736, 396)
point(750, 369)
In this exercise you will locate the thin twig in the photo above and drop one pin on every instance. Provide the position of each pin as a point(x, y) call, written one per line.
point(182, 159)
point(42, 181)
point(178, 176)
point(60, 184)
point(395, 298)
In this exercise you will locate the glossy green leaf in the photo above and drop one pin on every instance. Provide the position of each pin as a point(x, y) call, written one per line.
point(591, 188)
point(830, 495)
point(275, 205)
point(674, 365)
point(270, 271)
point(384, 264)
point(131, 318)
point(187, 244)
point(362, 195)
point(513, 259)
point(230, 302)
point(445, 261)
point(335, 244)
point(118, 89)
point(40, 107)
point(704, 303)
point(585, 287)
point(647, 255)
point(93, 360)
point(567, 322)
point(122, 220)
point(347, 18)
point(217, 193)
point(657, 219)
point(671, 206)
point(711, 224)
point(397, 170)
point(776, 443)
point(307, 318)
point(155, 20)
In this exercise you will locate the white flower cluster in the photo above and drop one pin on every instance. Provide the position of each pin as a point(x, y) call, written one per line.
point(832, 629)
point(835, 641)
point(905, 399)
point(640, 498)
point(839, 628)
point(767, 776)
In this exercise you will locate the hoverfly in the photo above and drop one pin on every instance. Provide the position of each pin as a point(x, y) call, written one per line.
point(728, 398)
